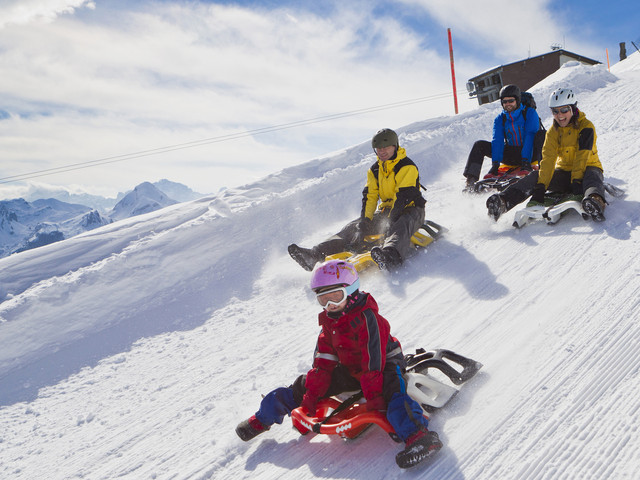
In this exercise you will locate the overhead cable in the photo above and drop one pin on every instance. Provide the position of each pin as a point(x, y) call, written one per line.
point(217, 139)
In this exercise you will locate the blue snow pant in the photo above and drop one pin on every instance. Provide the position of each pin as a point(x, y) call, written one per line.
point(404, 414)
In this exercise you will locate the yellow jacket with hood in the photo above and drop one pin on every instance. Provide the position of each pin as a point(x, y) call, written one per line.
point(571, 148)
point(396, 183)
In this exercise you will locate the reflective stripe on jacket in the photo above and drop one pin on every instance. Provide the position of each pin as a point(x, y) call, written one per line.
point(361, 341)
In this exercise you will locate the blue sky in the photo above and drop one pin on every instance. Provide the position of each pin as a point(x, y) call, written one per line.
point(579, 23)
point(89, 80)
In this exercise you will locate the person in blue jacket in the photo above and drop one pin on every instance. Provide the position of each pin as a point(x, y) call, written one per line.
point(514, 132)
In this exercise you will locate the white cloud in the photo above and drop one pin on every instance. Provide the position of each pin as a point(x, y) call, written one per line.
point(116, 81)
point(25, 11)
point(507, 29)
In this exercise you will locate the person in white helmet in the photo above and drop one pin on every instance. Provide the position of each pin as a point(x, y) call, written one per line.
point(570, 163)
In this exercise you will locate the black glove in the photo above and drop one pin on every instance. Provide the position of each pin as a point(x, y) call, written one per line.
point(526, 166)
point(362, 230)
point(576, 187)
point(494, 169)
point(538, 193)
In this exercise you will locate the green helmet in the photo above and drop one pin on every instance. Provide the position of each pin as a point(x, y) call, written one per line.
point(385, 138)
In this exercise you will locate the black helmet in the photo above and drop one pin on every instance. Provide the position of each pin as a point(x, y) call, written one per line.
point(510, 91)
point(385, 138)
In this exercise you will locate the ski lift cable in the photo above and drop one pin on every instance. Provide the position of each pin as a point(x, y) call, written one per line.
point(212, 140)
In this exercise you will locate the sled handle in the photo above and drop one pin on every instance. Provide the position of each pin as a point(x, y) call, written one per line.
point(343, 406)
point(423, 360)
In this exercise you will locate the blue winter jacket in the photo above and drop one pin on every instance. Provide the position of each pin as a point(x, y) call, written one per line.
point(515, 131)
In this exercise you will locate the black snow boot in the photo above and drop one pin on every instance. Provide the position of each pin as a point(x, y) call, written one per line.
point(419, 447)
point(594, 205)
point(250, 428)
point(387, 258)
point(470, 186)
point(306, 257)
point(496, 206)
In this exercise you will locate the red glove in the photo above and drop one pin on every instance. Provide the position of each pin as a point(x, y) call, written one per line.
point(376, 403)
point(309, 404)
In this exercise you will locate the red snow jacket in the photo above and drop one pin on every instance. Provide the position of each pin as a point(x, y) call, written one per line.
point(360, 340)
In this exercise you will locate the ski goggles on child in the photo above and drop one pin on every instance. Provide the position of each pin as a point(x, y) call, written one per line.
point(556, 111)
point(335, 296)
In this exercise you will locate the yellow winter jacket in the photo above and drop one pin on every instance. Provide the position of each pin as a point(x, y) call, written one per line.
point(396, 183)
point(571, 148)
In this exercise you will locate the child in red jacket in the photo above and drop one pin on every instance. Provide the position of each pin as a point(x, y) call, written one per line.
point(355, 350)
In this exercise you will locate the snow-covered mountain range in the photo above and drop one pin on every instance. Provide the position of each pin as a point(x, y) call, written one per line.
point(132, 351)
point(25, 225)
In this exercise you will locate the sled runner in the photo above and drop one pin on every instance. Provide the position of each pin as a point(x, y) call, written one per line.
point(550, 214)
point(556, 206)
point(349, 417)
point(506, 176)
point(426, 234)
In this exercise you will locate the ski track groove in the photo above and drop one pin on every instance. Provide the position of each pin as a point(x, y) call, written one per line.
point(605, 376)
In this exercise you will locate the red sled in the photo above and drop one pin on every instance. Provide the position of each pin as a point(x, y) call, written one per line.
point(349, 417)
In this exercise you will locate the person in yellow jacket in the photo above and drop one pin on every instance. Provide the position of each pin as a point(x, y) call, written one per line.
point(391, 204)
point(570, 163)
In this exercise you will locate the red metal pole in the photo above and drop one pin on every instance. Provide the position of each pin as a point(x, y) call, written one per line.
point(453, 72)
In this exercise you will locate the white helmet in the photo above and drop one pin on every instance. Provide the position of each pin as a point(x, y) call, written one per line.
point(562, 96)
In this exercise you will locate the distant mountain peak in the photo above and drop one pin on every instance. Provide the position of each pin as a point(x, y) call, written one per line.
point(144, 198)
point(56, 214)
point(26, 225)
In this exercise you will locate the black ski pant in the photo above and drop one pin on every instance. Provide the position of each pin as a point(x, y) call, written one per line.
point(512, 156)
point(592, 182)
point(398, 234)
point(482, 149)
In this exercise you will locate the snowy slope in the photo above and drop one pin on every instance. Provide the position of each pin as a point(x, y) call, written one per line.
point(132, 351)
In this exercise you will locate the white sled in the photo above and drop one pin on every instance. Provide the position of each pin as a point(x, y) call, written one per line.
point(431, 392)
point(527, 214)
point(553, 213)
point(550, 214)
